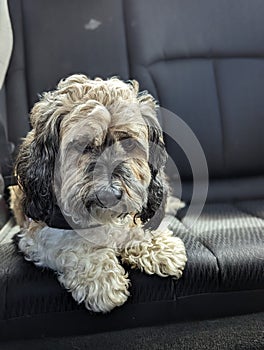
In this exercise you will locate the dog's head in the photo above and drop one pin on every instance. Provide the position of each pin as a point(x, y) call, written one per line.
point(96, 150)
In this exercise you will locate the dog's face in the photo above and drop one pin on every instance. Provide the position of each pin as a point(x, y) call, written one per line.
point(96, 150)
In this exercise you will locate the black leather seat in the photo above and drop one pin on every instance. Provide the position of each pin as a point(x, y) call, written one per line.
point(202, 60)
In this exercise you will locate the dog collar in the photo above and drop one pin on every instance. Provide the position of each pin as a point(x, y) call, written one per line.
point(10, 180)
point(57, 220)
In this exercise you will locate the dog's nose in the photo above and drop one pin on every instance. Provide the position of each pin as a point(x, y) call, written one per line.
point(108, 196)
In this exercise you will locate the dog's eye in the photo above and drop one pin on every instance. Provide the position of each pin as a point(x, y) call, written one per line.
point(77, 146)
point(91, 149)
point(128, 144)
point(88, 149)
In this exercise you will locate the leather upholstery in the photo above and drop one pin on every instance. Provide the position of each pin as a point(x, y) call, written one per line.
point(47, 50)
point(210, 75)
point(202, 60)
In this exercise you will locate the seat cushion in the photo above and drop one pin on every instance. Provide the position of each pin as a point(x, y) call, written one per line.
point(223, 276)
point(234, 235)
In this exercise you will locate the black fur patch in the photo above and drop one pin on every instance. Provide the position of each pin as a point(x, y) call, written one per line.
point(153, 213)
point(35, 168)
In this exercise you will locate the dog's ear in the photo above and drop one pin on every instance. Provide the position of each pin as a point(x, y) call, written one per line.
point(154, 211)
point(152, 215)
point(35, 161)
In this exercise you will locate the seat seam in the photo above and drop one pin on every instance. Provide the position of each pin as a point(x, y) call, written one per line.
point(24, 53)
point(198, 239)
point(219, 269)
point(128, 60)
point(197, 57)
point(220, 110)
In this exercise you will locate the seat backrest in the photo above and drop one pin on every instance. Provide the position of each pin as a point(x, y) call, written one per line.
point(203, 60)
point(53, 39)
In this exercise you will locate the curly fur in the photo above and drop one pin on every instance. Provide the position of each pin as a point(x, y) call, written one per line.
point(87, 135)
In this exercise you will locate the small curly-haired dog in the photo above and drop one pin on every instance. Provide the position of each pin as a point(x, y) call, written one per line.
point(92, 191)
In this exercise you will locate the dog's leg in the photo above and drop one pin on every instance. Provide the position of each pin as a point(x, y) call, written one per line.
point(156, 252)
point(93, 275)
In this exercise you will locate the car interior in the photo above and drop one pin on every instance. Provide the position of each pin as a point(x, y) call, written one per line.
point(203, 61)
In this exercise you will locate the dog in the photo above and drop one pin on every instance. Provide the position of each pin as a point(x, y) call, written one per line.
point(92, 190)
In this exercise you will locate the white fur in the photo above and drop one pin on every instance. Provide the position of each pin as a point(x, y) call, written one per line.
point(93, 273)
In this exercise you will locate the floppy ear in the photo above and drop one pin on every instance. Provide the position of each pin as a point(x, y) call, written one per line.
point(154, 211)
point(35, 162)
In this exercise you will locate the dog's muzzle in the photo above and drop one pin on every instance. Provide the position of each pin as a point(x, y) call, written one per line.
point(108, 196)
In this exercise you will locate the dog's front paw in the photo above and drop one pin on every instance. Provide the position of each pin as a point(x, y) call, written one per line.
point(102, 286)
point(168, 254)
point(163, 255)
point(109, 292)
point(29, 248)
